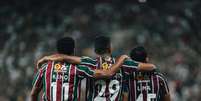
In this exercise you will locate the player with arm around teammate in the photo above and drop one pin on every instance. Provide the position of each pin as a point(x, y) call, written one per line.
point(145, 85)
point(60, 80)
point(107, 89)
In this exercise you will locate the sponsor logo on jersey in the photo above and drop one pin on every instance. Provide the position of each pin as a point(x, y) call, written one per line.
point(60, 68)
point(57, 67)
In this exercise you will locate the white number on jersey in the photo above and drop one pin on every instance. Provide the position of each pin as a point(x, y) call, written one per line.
point(149, 97)
point(65, 86)
point(114, 88)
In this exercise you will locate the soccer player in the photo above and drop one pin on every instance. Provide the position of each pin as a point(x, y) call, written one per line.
point(60, 80)
point(107, 89)
point(145, 85)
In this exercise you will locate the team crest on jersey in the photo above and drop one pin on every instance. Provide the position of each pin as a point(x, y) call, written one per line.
point(105, 66)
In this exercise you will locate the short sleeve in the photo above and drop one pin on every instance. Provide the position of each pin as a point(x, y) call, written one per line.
point(130, 66)
point(37, 81)
point(164, 86)
point(88, 62)
point(84, 71)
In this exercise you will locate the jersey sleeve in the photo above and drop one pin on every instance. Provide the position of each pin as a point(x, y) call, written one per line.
point(164, 86)
point(87, 67)
point(87, 61)
point(84, 71)
point(130, 66)
point(37, 81)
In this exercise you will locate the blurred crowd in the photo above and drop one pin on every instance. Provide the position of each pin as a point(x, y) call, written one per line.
point(170, 31)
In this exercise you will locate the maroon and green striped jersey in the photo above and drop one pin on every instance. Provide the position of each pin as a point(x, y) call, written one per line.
point(104, 89)
point(144, 86)
point(61, 81)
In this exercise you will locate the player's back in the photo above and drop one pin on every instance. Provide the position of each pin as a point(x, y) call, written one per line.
point(105, 89)
point(60, 81)
point(147, 86)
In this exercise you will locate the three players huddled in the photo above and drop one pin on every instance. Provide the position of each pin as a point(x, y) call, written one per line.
point(108, 79)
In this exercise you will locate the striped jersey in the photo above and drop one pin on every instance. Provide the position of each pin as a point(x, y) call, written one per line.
point(61, 81)
point(105, 89)
point(144, 86)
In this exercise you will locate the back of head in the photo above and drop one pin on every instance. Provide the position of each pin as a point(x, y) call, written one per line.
point(66, 45)
point(138, 54)
point(102, 45)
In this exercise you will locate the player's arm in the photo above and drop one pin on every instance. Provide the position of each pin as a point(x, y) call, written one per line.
point(37, 83)
point(166, 92)
point(91, 71)
point(167, 97)
point(115, 67)
point(146, 66)
point(124, 96)
point(78, 60)
point(59, 57)
point(37, 86)
point(131, 65)
point(165, 89)
point(35, 93)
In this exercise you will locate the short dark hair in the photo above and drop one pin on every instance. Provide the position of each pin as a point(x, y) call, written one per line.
point(102, 44)
point(138, 54)
point(66, 45)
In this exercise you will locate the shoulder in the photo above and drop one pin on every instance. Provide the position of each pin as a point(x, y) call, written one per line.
point(130, 62)
point(161, 77)
point(159, 74)
point(88, 60)
point(43, 66)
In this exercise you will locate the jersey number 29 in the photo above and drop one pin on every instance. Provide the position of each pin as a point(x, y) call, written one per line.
point(113, 90)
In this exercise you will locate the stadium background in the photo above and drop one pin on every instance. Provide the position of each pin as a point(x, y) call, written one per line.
point(169, 29)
